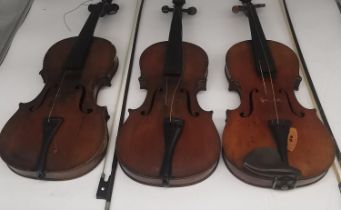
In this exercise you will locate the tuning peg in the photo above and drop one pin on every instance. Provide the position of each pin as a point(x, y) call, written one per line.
point(190, 10)
point(239, 8)
point(111, 9)
point(92, 7)
point(236, 9)
point(108, 7)
point(166, 9)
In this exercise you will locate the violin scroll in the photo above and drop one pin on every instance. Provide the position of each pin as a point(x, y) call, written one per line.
point(108, 8)
point(189, 11)
point(238, 8)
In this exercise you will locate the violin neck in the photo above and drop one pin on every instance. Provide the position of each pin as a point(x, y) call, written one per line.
point(262, 54)
point(174, 53)
point(80, 49)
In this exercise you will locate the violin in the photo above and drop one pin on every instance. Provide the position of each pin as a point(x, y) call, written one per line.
point(170, 140)
point(62, 133)
point(270, 140)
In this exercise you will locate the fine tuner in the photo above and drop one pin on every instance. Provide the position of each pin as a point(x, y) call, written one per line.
point(190, 10)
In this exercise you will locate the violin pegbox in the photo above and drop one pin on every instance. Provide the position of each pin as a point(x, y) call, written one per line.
point(108, 8)
point(179, 4)
point(242, 8)
point(246, 1)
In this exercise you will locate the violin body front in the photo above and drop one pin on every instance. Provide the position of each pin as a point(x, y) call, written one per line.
point(62, 133)
point(141, 144)
point(170, 140)
point(247, 127)
point(270, 140)
point(81, 136)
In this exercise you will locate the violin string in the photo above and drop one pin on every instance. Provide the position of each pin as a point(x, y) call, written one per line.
point(173, 98)
point(263, 79)
point(63, 76)
point(55, 97)
point(72, 10)
point(261, 71)
point(274, 98)
point(270, 77)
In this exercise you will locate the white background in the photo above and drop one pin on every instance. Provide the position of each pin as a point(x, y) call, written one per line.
point(214, 28)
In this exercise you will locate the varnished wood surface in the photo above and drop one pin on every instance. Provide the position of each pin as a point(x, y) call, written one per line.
point(80, 141)
point(314, 152)
point(140, 144)
point(20, 82)
point(226, 29)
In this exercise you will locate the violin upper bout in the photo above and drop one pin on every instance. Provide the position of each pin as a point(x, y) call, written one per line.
point(102, 58)
point(233, 84)
point(52, 67)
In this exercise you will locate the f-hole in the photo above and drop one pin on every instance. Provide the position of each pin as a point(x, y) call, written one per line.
point(250, 110)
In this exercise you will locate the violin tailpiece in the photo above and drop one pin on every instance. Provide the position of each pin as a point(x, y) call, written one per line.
point(50, 127)
point(172, 131)
point(280, 131)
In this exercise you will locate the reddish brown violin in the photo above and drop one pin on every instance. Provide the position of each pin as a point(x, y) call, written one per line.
point(271, 140)
point(62, 133)
point(170, 140)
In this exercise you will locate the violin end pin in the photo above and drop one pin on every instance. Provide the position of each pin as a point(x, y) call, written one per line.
point(41, 174)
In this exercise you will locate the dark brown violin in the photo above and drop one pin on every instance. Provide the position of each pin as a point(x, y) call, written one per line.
point(62, 133)
point(271, 140)
point(170, 140)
